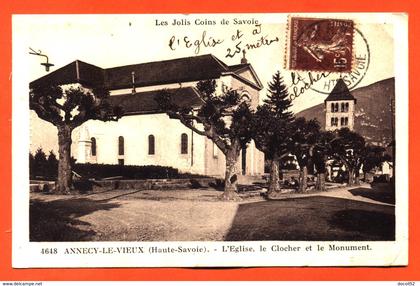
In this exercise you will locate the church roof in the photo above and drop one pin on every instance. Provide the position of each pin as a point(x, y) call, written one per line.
point(179, 70)
point(145, 103)
point(340, 92)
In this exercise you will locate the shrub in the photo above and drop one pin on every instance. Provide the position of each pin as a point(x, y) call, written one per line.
point(45, 168)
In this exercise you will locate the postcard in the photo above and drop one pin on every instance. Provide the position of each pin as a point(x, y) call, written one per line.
point(210, 140)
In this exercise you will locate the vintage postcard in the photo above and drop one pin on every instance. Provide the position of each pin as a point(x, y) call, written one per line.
point(210, 140)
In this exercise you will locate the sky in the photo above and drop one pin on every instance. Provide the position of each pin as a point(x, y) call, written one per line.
point(116, 40)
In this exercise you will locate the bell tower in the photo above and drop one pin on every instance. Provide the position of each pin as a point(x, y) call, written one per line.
point(339, 108)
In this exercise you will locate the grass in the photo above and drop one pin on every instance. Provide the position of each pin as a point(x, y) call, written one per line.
point(198, 215)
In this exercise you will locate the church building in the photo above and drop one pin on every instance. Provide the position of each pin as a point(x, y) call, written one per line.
point(339, 108)
point(147, 136)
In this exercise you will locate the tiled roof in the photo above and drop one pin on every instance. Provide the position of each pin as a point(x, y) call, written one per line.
point(75, 72)
point(144, 102)
point(165, 72)
point(146, 74)
point(340, 92)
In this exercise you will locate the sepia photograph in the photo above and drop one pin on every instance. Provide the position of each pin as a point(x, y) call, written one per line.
point(209, 139)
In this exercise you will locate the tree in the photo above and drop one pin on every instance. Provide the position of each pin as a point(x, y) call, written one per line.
point(52, 165)
point(304, 136)
point(31, 166)
point(320, 154)
point(349, 147)
point(374, 156)
point(39, 164)
point(68, 108)
point(271, 128)
point(225, 119)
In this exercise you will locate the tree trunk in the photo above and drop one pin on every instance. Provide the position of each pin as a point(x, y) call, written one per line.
point(350, 181)
point(64, 180)
point(357, 178)
point(320, 182)
point(274, 180)
point(231, 176)
point(303, 179)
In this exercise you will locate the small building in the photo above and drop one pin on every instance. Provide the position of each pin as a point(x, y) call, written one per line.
point(339, 108)
point(147, 136)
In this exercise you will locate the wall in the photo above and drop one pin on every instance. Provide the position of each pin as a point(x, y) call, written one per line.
point(349, 114)
point(135, 129)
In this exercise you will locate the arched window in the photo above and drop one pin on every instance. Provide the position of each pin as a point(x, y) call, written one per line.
point(347, 106)
point(342, 107)
point(245, 96)
point(184, 143)
point(151, 145)
point(336, 107)
point(332, 107)
point(120, 145)
point(93, 146)
point(346, 121)
point(332, 121)
point(342, 121)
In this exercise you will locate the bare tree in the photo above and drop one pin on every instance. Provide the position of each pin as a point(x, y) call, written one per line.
point(304, 134)
point(225, 119)
point(66, 109)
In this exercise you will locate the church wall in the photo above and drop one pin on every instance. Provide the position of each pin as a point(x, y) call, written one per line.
point(349, 114)
point(136, 130)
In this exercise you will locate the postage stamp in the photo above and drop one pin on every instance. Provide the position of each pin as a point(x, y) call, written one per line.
point(320, 44)
point(105, 176)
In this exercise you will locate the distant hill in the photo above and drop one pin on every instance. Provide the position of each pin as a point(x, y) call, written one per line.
point(373, 114)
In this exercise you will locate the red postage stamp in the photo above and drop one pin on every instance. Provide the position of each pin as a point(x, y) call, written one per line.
point(320, 44)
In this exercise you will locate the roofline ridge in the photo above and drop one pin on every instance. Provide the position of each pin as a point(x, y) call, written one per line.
point(224, 66)
point(158, 61)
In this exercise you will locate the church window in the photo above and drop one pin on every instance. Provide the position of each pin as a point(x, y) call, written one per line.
point(151, 145)
point(245, 96)
point(184, 143)
point(93, 146)
point(215, 150)
point(334, 121)
point(120, 145)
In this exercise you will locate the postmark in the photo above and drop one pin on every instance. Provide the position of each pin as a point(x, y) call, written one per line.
point(324, 81)
point(321, 45)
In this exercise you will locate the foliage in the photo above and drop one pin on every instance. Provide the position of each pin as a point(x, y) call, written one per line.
point(67, 109)
point(304, 135)
point(72, 106)
point(41, 167)
point(223, 118)
point(322, 150)
point(374, 156)
point(99, 171)
point(45, 168)
point(272, 121)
